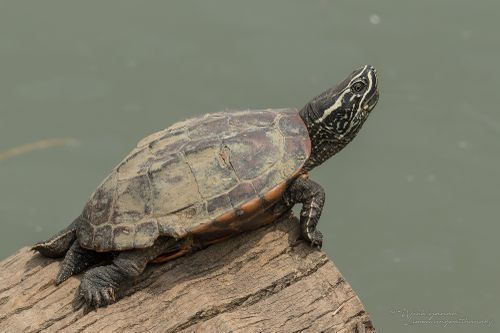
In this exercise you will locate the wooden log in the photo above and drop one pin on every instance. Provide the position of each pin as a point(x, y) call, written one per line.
point(263, 281)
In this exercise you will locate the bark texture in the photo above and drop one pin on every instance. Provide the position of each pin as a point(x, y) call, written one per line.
point(263, 281)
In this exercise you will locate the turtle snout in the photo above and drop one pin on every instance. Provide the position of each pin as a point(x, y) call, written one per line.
point(370, 104)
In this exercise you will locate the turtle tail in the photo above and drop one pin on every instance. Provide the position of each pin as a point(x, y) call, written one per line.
point(58, 245)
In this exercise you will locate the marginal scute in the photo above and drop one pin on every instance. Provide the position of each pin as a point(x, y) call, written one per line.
point(207, 176)
point(268, 180)
point(217, 206)
point(242, 193)
point(295, 155)
point(193, 214)
point(171, 225)
point(85, 235)
point(145, 233)
point(151, 138)
point(103, 237)
point(123, 237)
point(99, 206)
point(134, 164)
point(165, 147)
point(179, 223)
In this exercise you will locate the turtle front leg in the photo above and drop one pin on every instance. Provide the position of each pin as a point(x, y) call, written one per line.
point(100, 284)
point(312, 197)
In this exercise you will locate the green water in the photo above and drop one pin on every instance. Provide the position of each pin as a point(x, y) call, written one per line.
point(412, 212)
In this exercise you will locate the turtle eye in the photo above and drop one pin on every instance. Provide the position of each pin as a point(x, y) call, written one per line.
point(358, 87)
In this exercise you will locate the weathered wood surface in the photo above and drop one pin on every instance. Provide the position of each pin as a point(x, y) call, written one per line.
point(264, 281)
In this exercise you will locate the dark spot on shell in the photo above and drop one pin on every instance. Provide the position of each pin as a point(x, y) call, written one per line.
point(167, 230)
point(144, 167)
point(85, 234)
point(103, 237)
point(170, 148)
point(120, 216)
point(163, 163)
point(175, 179)
point(99, 207)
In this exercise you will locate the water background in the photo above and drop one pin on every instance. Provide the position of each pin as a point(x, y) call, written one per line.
point(412, 211)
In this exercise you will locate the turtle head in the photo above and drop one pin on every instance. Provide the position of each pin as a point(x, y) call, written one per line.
point(335, 117)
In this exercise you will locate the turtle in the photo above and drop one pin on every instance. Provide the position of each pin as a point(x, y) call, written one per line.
point(205, 179)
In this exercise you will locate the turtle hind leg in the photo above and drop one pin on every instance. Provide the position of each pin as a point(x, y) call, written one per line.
point(59, 244)
point(78, 259)
point(100, 284)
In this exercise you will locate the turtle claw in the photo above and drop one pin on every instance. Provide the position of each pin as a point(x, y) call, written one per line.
point(99, 297)
point(95, 290)
point(97, 300)
point(316, 239)
point(79, 301)
point(108, 296)
point(87, 297)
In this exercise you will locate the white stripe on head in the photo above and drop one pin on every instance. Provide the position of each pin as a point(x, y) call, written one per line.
point(338, 102)
point(357, 112)
point(368, 89)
